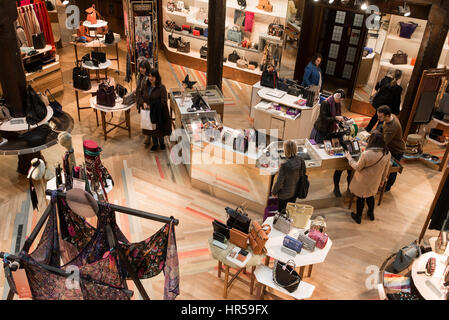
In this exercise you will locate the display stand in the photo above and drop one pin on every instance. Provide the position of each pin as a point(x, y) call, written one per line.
point(117, 108)
point(102, 66)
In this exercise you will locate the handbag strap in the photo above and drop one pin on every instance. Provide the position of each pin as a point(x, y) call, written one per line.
point(375, 163)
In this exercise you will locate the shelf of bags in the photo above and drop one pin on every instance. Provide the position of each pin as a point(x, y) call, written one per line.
point(443, 144)
point(47, 66)
point(279, 9)
point(267, 107)
point(99, 24)
point(398, 38)
point(99, 43)
point(39, 51)
point(235, 45)
point(202, 38)
point(234, 66)
point(403, 67)
point(264, 275)
point(101, 66)
point(274, 39)
point(20, 124)
point(440, 122)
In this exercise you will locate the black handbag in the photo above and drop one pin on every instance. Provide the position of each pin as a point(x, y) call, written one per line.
point(183, 46)
point(129, 98)
point(39, 41)
point(100, 56)
point(173, 41)
point(32, 65)
point(109, 37)
point(36, 137)
point(238, 220)
point(294, 90)
point(242, 3)
point(219, 237)
point(281, 84)
point(49, 5)
point(106, 95)
point(203, 52)
point(36, 110)
point(268, 79)
point(120, 90)
point(221, 228)
point(285, 276)
point(81, 79)
point(233, 57)
point(54, 104)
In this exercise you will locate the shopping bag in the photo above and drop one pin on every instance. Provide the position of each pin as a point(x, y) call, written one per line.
point(145, 120)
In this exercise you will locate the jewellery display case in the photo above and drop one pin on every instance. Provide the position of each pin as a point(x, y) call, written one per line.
point(246, 32)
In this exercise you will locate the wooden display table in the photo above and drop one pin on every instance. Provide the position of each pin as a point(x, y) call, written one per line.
point(117, 108)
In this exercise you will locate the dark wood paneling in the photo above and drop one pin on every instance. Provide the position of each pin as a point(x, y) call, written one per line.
point(215, 42)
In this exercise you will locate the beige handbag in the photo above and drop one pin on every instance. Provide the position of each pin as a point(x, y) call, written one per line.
point(318, 223)
point(242, 63)
point(300, 213)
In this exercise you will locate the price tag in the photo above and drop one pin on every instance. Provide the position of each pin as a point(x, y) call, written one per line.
point(22, 285)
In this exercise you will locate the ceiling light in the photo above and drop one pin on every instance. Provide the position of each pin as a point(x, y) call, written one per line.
point(404, 10)
point(364, 6)
point(331, 1)
point(65, 2)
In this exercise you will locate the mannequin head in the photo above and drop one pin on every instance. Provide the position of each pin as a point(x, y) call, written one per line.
point(65, 140)
point(37, 169)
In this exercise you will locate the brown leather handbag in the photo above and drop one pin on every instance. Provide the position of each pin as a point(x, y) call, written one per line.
point(238, 238)
point(258, 236)
point(92, 14)
point(399, 57)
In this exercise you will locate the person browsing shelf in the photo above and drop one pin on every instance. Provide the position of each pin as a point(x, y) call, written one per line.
point(312, 72)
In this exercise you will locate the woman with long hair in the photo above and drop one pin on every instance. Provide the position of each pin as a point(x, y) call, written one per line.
point(312, 73)
point(154, 96)
point(371, 172)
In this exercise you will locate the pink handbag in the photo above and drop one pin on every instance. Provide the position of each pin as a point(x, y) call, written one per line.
point(320, 238)
point(249, 21)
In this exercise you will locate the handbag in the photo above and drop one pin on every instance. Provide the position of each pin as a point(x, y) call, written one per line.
point(32, 65)
point(318, 223)
point(219, 237)
point(249, 21)
point(183, 46)
point(203, 52)
point(92, 14)
point(196, 33)
point(294, 90)
point(36, 110)
point(241, 143)
point(5, 115)
point(171, 5)
point(282, 85)
point(100, 56)
point(130, 98)
point(235, 34)
point(399, 58)
point(186, 27)
point(37, 136)
point(239, 17)
point(221, 228)
point(282, 222)
point(285, 275)
point(106, 95)
point(199, 29)
point(300, 213)
point(276, 29)
point(180, 5)
point(258, 237)
point(238, 219)
point(265, 5)
point(319, 237)
point(292, 243)
point(239, 238)
point(268, 79)
point(81, 79)
point(49, 5)
point(206, 32)
point(54, 104)
point(307, 243)
point(173, 41)
point(145, 120)
point(406, 29)
point(405, 256)
point(109, 37)
point(39, 41)
point(233, 57)
point(242, 63)
point(120, 90)
point(242, 3)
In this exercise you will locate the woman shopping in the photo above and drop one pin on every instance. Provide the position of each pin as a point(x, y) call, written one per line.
point(326, 124)
point(154, 96)
point(285, 188)
point(312, 73)
point(388, 92)
point(370, 173)
point(142, 77)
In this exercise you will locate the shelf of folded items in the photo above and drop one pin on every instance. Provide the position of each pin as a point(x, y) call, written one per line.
point(269, 107)
point(47, 48)
point(29, 75)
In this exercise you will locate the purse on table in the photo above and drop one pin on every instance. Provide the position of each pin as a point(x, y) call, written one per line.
point(307, 243)
point(173, 41)
point(235, 34)
point(406, 29)
point(405, 257)
point(106, 95)
point(100, 56)
point(221, 228)
point(282, 85)
point(109, 37)
point(319, 237)
point(5, 114)
point(242, 63)
point(242, 4)
point(294, 90)
point(120, 90)
point(36, 110)
point(81, 79)
point(282, 222)
point(300, 213)
point(37, 136)
point(186, 27)
point(203, 52)
point(238, 220)
point(258, 237)
point(285, 275)
point(180, 5)
point(399, 58)
point(292, 243)
point(233, 57)
point(183, 46)
point(39, 41)
point(200, 30)
point(239, 238)
point(318, 223)
point(196, 33)
point(171, 5)
point(219, 237)
point(130, 98)
point(276, 29)
point(54, 104)
point(268, 79)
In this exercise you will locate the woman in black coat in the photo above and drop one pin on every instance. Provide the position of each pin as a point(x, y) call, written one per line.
point(154, 96)
point(388, 94)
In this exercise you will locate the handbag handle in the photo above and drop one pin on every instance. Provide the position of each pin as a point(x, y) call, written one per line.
point(292, 264)
point(266, 228)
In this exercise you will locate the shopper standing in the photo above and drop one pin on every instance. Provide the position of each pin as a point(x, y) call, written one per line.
point(142, 77)
point(154, 96)
point(392, 132)
point(312, 72)
point(285, 188)
point(326, 124)
point(389, 94)
point(370, 173)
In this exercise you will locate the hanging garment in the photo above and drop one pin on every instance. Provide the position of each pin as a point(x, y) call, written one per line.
point(171, 269)
point(67, 171)
point(441, 208)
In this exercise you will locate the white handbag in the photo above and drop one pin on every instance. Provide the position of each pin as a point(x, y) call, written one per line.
point(145, 120)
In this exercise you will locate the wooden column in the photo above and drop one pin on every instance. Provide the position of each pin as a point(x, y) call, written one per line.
point(428, 56)
point(215, 42)
point(12, 75)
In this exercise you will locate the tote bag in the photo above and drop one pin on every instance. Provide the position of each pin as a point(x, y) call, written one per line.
point(145, 120)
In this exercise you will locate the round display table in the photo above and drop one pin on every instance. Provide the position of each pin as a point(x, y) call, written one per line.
point(430, 287)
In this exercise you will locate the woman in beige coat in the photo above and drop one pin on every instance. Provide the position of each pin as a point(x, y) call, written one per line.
point(370, 173)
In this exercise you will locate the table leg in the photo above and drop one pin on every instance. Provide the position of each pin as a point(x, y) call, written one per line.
point(128, 122)
point(77, 103)
point(310, 271)
point(251, 288)
point(301, 271)
point(219, 269)
point(118, 60)
point(262, 291)
point(96, 115)
point(225, 291)
point(267, 260)
point(76, 53)
point(103, 120)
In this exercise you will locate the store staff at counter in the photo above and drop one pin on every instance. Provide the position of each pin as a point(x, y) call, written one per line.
point(326, 124)
point(312, 72)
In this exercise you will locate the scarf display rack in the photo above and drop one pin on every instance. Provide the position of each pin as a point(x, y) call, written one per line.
point(111, 239)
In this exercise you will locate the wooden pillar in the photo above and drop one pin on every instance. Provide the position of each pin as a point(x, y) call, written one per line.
point(428, 56)
point(12, 75)
point(215, 42)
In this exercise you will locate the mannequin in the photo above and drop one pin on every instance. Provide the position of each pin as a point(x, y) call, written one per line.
point(37, 173)
point(65, 140)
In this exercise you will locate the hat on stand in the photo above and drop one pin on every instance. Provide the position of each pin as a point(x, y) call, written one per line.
point(82, 203)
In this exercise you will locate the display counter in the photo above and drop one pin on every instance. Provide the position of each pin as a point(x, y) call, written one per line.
point(275, 109)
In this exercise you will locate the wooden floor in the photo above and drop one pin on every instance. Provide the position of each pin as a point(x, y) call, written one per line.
point(148, 181)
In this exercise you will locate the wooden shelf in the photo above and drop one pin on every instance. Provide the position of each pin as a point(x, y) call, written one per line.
point(441, 122)
point(46, 67)
point(398, 38)
point(39, 51)
point(437, 142)
point(403, 67)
